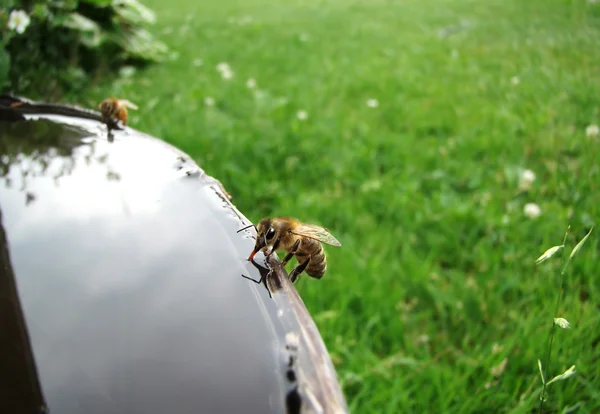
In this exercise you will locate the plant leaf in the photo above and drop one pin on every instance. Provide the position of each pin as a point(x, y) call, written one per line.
point(548, 254)
point(140, 44)
point(562, 322)
point(133, 11)
point(541, 371)
point(4, 66)
point(568, 373)
point(580, 244)
point(100, 3)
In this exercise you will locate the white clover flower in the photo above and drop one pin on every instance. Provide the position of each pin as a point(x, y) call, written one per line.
point(251, 83)
point(515, 80)
point(592, 131)
point(497, 348)
point(223, 67)
point(372, 103)
point(209, 101)
point(302, 115)
point(526, 179)
point(18, 21)
point(532, 210)
point(225, 70)
point(528, 176)
point(562, 323)
point(227, 74)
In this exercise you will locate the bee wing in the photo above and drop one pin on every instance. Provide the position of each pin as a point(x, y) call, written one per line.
point(317, 233)
point(128, 104)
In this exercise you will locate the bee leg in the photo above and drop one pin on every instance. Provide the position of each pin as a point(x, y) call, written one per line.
point(291, 253)
point(262, 280)
point(298, 269)
point(263, 276)
point(255, 281)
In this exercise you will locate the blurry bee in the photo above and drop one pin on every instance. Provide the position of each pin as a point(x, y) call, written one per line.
point(115, 108)
point(297, 239)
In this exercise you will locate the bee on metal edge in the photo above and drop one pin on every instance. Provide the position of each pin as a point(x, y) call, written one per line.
point(297, 239)
point(116, 108)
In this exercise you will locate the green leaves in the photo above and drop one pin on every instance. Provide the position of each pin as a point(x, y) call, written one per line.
point(4, 67)
point(89, 31)
point(65, 5)
point(134, 12)
point(101, 3)
point(140, 44)
point(75, 37)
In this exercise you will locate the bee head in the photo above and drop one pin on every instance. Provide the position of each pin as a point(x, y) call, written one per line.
point(266, 237)
point(106, 107)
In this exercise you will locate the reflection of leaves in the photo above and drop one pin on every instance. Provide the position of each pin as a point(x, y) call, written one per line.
point(39, 139)
point(31, 146)
point(113, 176)
point(29, 198)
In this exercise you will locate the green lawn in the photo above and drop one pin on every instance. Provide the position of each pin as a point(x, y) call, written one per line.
point(436, 282)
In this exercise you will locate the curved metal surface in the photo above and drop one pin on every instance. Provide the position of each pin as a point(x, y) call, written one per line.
point(128, 269)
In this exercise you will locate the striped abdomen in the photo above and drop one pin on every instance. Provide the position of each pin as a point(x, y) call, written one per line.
point(313, 249)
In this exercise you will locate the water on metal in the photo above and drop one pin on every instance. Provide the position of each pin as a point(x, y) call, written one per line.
point(128, 264)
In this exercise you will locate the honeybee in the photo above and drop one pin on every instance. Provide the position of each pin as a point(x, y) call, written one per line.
point(297, 239)
point(116, 108)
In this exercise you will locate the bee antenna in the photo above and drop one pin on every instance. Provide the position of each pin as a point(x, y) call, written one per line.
point(247, 227)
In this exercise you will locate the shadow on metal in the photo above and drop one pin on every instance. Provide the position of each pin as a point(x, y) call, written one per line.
point(122, 287)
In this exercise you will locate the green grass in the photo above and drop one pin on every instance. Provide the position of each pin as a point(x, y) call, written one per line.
point(436, 282)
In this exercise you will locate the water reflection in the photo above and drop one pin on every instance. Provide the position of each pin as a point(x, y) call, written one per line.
point(128, 261)
point(34, 148)
point(128, 268)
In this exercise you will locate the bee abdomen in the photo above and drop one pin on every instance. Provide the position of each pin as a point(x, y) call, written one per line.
point(317, 265)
